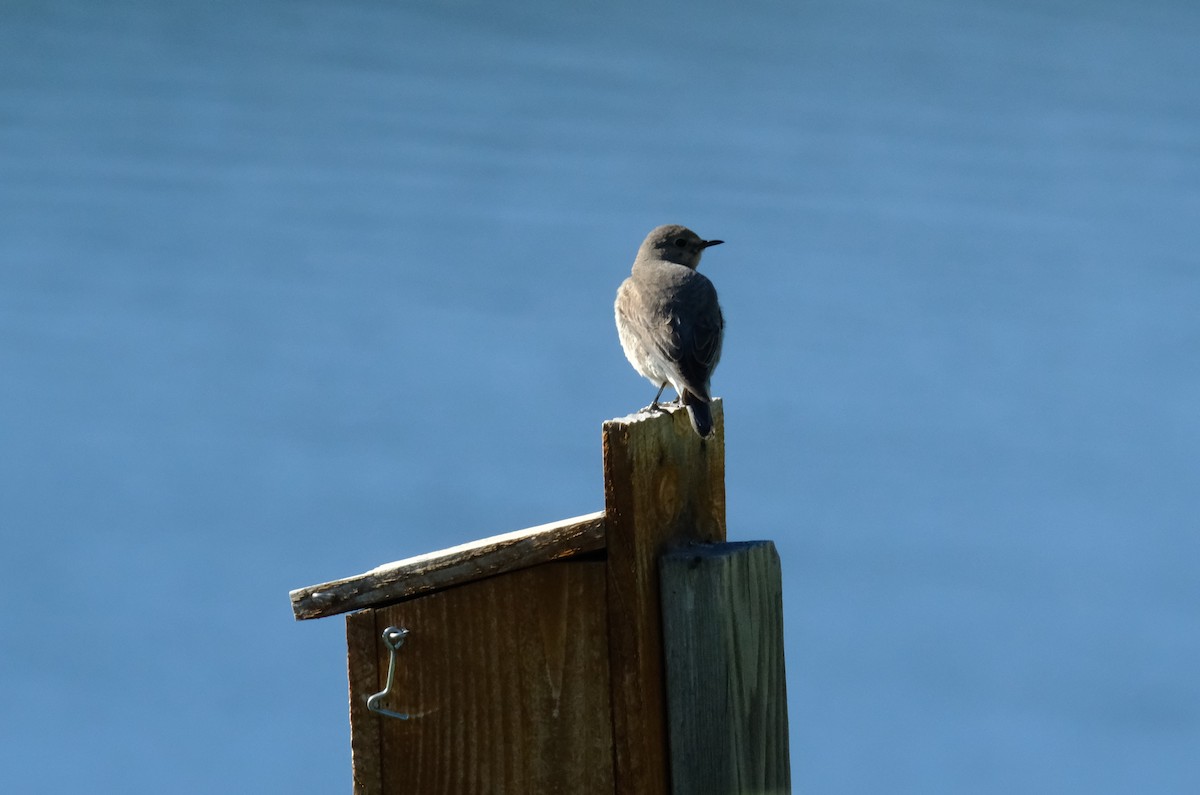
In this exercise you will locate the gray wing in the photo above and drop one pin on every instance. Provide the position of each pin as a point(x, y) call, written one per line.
point(698, 330)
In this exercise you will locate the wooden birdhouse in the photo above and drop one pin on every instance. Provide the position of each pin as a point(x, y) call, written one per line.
point(627, 651)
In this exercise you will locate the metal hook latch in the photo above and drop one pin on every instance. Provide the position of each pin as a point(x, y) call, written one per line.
point(393, 638)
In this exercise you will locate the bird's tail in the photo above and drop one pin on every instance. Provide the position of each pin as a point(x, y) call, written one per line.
point(699, 413)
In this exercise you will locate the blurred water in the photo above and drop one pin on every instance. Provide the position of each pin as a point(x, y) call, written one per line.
point(291, 290)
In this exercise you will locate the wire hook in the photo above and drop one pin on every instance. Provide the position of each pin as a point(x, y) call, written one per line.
point(393, 638)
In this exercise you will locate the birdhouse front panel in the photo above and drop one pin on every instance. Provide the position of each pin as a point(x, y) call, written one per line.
point(498, 685)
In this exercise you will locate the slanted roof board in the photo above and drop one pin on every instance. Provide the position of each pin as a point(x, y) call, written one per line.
point(454, 566)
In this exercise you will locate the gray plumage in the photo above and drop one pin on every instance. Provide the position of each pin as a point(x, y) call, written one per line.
point(669, 321)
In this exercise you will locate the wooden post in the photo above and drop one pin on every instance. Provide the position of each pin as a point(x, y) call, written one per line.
point(664, 487)
point(727, 696)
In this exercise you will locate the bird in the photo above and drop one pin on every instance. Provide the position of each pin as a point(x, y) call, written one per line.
point(669, 321)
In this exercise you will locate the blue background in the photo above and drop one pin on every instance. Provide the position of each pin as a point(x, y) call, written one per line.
point(289, 290)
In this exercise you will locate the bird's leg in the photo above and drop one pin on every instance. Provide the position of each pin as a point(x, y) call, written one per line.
point(654, 403)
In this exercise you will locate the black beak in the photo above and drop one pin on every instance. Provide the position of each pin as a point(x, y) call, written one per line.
point(707, 243)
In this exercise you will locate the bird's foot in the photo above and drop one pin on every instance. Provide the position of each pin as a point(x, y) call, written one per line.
point(655, 407)
point(662, 406)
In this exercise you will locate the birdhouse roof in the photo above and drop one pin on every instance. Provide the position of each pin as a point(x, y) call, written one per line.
point(403, 579)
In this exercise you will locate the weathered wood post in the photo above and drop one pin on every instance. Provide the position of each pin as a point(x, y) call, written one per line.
point(627, 651)
point(727, 692)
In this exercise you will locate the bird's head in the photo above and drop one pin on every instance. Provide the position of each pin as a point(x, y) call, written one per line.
point(674, 243)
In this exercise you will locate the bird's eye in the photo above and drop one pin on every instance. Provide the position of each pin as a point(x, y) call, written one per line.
point(680, 242)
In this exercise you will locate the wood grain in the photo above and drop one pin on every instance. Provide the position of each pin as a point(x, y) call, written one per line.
point(664, 487)
point(727, 695)
point(455, 566)
point(508, 677)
